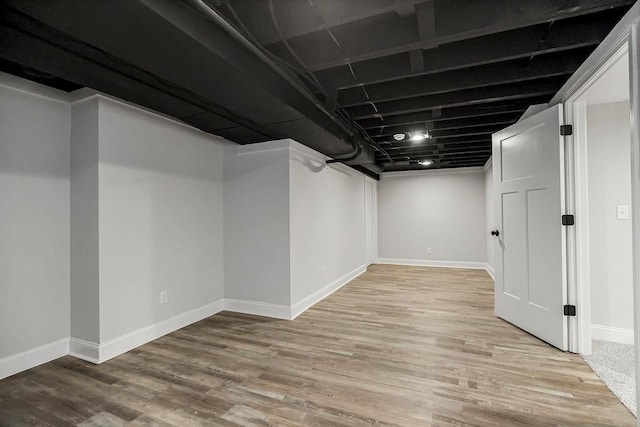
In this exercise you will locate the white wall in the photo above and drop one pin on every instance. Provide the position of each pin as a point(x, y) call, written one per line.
point(609, 185)
point(34, 219)
point(489, 216)
point(371, 220)
point(294, 229)
point(327, 225)
point(106, 205)
point(441, 210)
point(160, 218)
point(85, 296)
point(256, 222)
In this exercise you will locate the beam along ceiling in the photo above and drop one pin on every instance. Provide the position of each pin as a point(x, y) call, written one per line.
point(374, 73)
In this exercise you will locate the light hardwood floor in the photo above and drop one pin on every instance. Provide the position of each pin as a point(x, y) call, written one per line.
point(397, 346)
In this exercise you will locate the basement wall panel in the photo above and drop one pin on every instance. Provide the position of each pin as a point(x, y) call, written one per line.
point(328, 242)
point(256, 222)
point(610, 239)
point(442, 212)
point(161, 219)
point(85, 285)
point(34, 219)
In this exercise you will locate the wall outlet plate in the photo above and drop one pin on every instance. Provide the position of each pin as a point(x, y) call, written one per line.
point(164, 297)
point(622, 212)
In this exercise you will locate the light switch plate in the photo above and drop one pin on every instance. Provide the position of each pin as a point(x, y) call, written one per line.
point(622, 212)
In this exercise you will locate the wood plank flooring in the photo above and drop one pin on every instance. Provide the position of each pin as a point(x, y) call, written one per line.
point(409, 346)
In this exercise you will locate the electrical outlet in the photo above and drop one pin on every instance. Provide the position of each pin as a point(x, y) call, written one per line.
point(622, 212)
point(324, 271)
point(164, 297)
point(429, 251)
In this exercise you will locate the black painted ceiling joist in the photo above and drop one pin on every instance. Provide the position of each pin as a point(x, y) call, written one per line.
point(484, 110)
point(437, 153)
point(447, 164)
point(459, 69)
point(457, 20)
point(191, 58)
point(298, 19)
point(429, 153)
point(466, 141)
point(485, 75)
point(498, 119)
point(436, 135)
point(526, 42)
point(469, 145)
point(512, 91)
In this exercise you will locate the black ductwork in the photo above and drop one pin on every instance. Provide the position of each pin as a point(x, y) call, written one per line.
point(180, 58)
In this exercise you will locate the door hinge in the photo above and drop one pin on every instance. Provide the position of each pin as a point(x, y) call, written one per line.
point(568, 220)
point(569, 310)
point(566, 130)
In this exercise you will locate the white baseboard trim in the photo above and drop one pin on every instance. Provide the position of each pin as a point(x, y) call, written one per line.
point(15, 363)
point(308, 301)
point(490, 271)
point(612, 334)
point(98, 353)
point(433, 263)
point(257, 308)
point(85, 350)
point(124, 343)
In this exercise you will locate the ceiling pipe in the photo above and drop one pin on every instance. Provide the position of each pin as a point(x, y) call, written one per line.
point(236, 35)
point(350, 158)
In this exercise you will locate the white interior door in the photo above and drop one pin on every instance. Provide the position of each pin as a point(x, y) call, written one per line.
point(530, 290)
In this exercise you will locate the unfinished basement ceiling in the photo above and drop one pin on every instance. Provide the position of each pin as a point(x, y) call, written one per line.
point(341, 76)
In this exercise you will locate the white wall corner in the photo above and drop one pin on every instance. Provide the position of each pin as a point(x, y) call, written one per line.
point(257, 308)
point(612, 334)
point(95, 353)
point(488, 164)
point(260, 147)
point(434, 263)
point(490, 271)
point(304, 304)
point(83, 94)
point(122, 344)
point(295, 148)
point(85, 350)
point(15, 363)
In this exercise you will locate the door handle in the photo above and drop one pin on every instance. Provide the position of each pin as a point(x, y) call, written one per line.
point(495, 233)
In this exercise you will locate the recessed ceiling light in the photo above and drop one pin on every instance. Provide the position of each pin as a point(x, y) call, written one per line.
point(421, 136)
point(425, 162)
point(398, 136)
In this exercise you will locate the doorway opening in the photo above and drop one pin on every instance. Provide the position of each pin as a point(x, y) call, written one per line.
point(604, 331)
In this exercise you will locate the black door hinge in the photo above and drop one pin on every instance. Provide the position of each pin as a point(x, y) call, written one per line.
point(569, 310)
point(566, 130)
point(568, 220)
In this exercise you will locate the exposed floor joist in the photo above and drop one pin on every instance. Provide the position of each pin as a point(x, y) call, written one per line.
point(348, 73)
point(390, 33)
point(521, 43)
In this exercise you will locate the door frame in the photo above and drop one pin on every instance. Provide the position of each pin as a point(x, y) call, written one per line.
point(578, 253)
point(627, 31)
